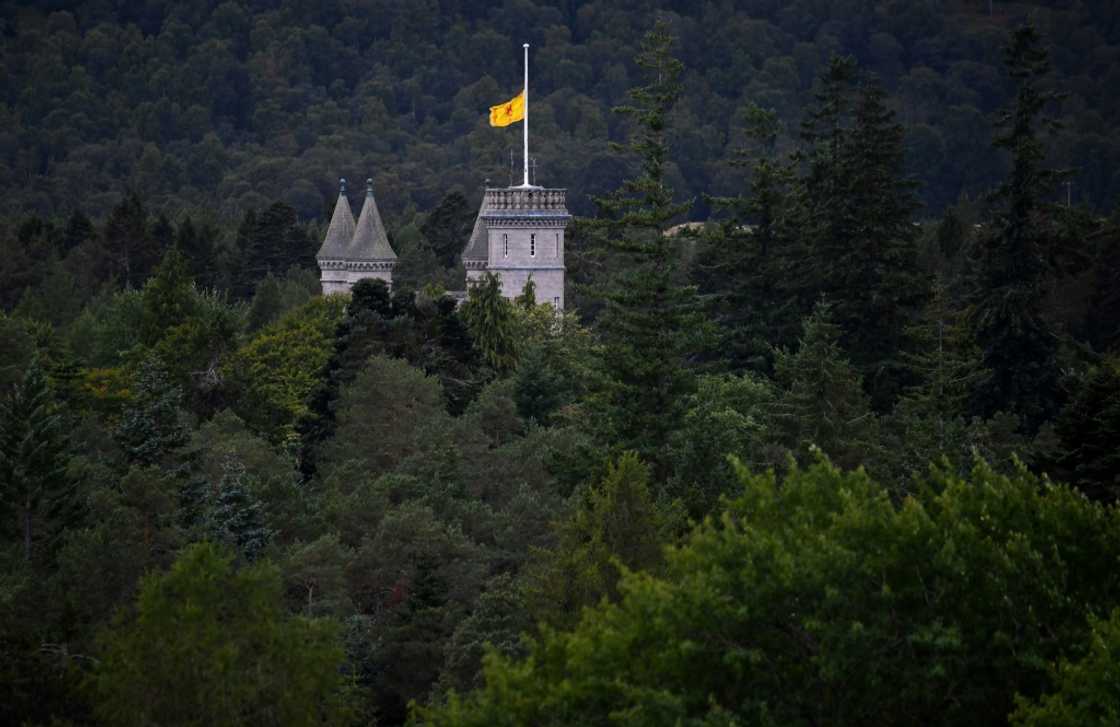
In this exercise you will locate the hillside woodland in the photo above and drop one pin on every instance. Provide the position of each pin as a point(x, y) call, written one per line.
point(842, 452)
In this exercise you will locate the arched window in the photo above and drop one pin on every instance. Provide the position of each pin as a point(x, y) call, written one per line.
point(533, 245)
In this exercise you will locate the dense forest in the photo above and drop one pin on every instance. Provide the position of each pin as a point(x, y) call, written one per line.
point(843, 452)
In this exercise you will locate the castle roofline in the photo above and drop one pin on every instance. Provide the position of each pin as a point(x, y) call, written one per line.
point(341, 229)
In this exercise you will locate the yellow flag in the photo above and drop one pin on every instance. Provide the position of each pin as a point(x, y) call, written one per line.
point(506, 113)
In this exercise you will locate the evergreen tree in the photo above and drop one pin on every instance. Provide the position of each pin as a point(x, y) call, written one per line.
point(744, 271)
point(197, 245)
point(34, 484)
point(132, 249)
point(447, 227)
point(79, 229)
point(1088, 429)
point(944, 365)
point(489, 318)
point(151, 426)
point(616, 523)
point(823, 404)
point(168, 298)
point(236, 517)
point(862, 253)
point(650, 320)
point(246, 268)
point(1019, 345)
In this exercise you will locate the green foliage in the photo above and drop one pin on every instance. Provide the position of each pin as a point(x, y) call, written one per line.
point(616, 527)
point(650, 318)
point(815, 600)
point(405, 401)
point(490, 320)
point(1088, 691)
point(822, 404)
point(727, 415)
point(1019, 344)
point(152, 424)
point(1088, 428)
point(209, 644)
point(861, 241)
point(273, 375)
point(35, 486)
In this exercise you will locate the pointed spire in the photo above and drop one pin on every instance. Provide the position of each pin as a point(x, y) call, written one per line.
point(478, 245)
point(370, 241)
point(341, 229)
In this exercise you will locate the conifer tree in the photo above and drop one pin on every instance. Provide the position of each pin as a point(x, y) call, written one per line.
point(129, 243)
point(152, 426)
point(862, 254)
point(650, 320)
point(489, 318)
point(1019, 345)
point(745, 269)
point(823, 404)
point(235, 516)
point(34, 484)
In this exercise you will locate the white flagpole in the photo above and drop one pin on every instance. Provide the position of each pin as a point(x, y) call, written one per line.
point(525, 131)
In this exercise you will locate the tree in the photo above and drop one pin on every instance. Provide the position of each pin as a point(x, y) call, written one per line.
point(862, 255)
point(152, 425)
point(648, 326)
point(617, 526)
point(1087, 429)
point(822, 404)
point(34, 482)
point(817, 600)
point(746, 265)
point(168, 298)
point(210, 644)
point(1088, 692)
point(129, 242)
point(1019, 345)
point(489, 318)
point(235, 518)
point(447, 227)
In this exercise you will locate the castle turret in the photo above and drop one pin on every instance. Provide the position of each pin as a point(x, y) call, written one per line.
point(519, 234)
point(365, 253)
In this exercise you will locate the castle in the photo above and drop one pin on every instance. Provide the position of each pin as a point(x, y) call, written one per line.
point(518, 235)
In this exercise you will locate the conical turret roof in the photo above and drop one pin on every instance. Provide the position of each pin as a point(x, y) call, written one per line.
point(478, 246)
point(341, 230)
point(370, 241)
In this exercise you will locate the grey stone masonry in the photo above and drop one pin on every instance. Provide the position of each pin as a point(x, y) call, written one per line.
point(352, 252)
point(523, 231)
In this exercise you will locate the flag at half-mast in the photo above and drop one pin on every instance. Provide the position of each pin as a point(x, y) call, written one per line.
point(509, 112)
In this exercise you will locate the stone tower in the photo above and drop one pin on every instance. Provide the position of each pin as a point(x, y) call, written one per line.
point(351, 252)
point(519, 233)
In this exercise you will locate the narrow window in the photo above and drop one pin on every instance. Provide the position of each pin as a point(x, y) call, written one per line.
point(532, 245)
point(557, 253)
point(505, 244)
point(556, 302)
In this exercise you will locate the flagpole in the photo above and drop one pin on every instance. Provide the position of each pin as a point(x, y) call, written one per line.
point(525, 131)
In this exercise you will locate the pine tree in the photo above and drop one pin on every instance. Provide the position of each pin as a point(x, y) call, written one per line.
point(235, 517)
point(1019, 345)
point(447, 226)
point(744, 269)
point(152, 426)
point(34, 483)
point(197, 245)
point(862, 254)
point(650, 319)
point(489, 318)
point(823, 404)
point(168, 298)
point(129, 243)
